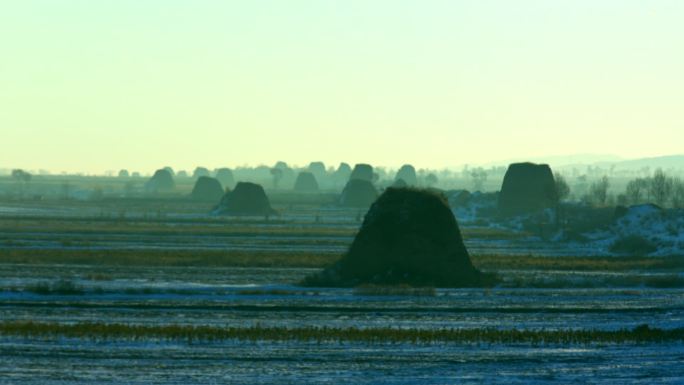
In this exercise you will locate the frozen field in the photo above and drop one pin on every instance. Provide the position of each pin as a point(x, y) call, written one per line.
point(46, 278)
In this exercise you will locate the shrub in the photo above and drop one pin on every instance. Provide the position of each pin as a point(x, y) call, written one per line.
point(633, 244)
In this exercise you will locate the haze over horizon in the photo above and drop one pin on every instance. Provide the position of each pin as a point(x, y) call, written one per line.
point(95, 86)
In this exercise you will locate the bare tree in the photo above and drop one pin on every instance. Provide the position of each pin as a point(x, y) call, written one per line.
point(636, 189)
point(562, 187)
point(21, 176)
point(677, 197)
point(598, 191)
point(478, 177)
point(660, 187)
point(431, 180)
point(277, 174)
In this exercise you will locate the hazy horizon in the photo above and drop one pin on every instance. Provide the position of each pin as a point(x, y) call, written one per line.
point(96, 86)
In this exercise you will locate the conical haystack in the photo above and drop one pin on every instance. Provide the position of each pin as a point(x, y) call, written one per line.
point(358, 193)
point(306, 182)
point(408, 174)
point(246, 199)
point(161, 181)
point(526, 188)
point(362, 171)
point(408, 236)
point(207, 189)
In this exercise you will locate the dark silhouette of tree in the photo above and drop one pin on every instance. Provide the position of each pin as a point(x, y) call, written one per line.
point(677, 193)
point(562, 187)
point(431, 179)
point(21, 176)
point(598, 191)
point(660, 187)
point(277, 174)
point(636, 189)
point(478, 176)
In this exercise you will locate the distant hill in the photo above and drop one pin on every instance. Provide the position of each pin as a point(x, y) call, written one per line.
point(563, 160)
point(664, 162)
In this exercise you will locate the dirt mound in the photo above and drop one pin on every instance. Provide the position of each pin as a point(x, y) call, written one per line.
point(161, 181)
point(207, 189)
point(358, 193)
point(306, 182)
point(527, 188)
point(408, 174)
point(408, 236)
point(246, 199)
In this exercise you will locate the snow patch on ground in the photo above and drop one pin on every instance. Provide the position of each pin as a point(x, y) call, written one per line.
point(663, 228)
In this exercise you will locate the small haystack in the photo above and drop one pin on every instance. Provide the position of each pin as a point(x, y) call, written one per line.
point(358, 193)
point(408, 174)
point(246, 199)
point(362, 171)
point(207, 189)
point(225, 176)
point(306, 182)
point(161, 181)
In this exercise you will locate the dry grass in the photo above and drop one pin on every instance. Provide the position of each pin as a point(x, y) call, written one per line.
point(111, 332)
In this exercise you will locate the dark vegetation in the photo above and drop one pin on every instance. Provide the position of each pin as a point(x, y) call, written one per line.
point(128, 332)
point(633, 245)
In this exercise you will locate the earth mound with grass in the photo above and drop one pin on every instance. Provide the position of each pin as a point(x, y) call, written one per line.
point(246, 199)
point(409, 236)
point(527, 188)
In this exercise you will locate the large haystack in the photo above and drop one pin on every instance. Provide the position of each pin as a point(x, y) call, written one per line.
point(527, 188)
point(358, 193)
point(246, 199)
point(207, 189)
point(408, 236)
point(408, 174)
point(306, 182)
point(225, 176)
point(161, 181)
point(362, 171)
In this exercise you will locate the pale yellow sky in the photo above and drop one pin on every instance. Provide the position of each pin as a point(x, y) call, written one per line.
point(101, 85)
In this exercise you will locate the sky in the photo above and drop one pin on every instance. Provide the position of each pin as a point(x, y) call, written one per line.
point(89, 86)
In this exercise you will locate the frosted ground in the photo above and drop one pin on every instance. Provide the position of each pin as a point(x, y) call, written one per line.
point(534, 295)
